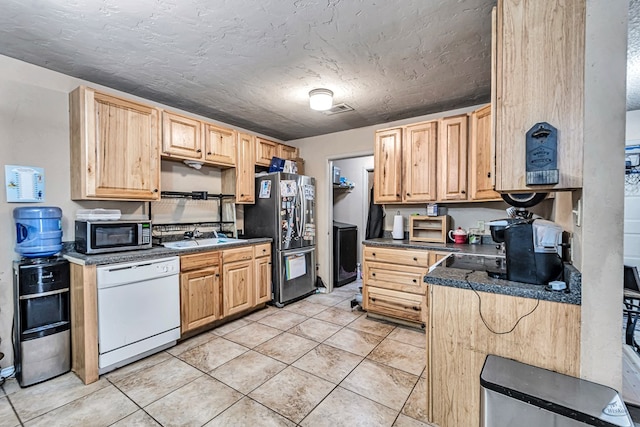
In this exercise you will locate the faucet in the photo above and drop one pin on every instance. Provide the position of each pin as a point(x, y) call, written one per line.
point(194, 234)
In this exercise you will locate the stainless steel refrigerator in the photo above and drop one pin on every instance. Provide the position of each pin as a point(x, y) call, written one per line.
point(285, 211)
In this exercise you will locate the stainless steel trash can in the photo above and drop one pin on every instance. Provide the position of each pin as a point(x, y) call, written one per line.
point(517, 394)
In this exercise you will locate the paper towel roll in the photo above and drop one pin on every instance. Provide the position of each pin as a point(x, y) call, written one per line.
point(398, 227)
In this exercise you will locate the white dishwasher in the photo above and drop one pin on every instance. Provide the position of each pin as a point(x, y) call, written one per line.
point(138, 310)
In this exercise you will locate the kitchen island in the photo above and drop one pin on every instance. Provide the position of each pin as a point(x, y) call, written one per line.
point(468, 315)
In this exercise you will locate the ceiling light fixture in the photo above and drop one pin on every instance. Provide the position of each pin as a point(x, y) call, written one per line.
point(320, 99)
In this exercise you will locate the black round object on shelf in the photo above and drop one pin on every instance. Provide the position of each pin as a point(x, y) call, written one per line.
point(523, 200)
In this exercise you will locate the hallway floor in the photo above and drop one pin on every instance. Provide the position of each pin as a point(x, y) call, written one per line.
point(313, 363)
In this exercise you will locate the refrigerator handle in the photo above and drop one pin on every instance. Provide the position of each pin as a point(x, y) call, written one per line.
point(298, 252)
point(301, 211)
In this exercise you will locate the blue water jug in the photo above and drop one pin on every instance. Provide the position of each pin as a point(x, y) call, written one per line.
point(38, 231)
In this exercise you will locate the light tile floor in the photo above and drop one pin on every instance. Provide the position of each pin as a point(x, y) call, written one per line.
point(313, 363)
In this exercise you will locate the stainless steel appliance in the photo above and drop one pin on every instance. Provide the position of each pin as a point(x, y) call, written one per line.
point(95, 237)
point(285, 211)
point(42, 339)
point(138, 310)
point(514, 393)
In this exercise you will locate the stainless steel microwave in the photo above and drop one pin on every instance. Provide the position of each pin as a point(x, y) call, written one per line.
point(97, 237)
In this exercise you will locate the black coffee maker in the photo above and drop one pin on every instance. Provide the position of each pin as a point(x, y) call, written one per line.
point(533, 249)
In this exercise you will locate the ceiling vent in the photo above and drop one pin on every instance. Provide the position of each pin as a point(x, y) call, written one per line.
point(338, 108)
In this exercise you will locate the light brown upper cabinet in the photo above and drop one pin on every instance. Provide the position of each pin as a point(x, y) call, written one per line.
point(452, 158)
point(181, 136)
point(481, 156)
point(388, 166)
point(220, 145)
point(419, 162)
point(539, 75)
point(115, 147)
point(187, 138)
point(287, 152)
point(265, 150)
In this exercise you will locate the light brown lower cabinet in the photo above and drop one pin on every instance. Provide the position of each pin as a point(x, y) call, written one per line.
point(199, 290)
point(458, 342)
point(237, 280)
point(262, 262)
point(393, 283)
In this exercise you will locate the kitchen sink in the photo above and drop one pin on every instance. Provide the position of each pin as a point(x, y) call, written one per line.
point(201, 243)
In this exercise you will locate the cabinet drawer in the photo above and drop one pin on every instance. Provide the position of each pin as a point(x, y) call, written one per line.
point(397, 256)
point(395, 304)
point(398, 277)
point(238, 254)
point(263, 249)
point(199, 260)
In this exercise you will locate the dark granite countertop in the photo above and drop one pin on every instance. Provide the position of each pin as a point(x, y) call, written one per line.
point(448, 247)
point(153, 253)
point(479, 280)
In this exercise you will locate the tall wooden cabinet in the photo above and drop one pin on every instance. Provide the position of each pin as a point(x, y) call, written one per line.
point(115, 147)
point(419, 158)
point(245, 173)
point(481, 156)
point(539, 76)
point(452, 156)
point(388, 166)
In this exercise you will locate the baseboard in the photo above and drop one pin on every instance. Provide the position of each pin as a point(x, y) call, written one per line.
point(7, 372)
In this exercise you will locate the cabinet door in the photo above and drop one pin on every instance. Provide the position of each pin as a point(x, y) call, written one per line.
point(481, 156)
point(245, 174)
point(263, 280)
point(387, 166)
point(220, 145)
point(199, 298)
point(452, 151)
point(237, 292)
point(115, 148)
point(265, 150)
point(287, 152)
point(181, 136)
point(545, 85)
point(419, 162)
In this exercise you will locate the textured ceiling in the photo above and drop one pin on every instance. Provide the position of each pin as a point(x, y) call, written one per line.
point(251, 63)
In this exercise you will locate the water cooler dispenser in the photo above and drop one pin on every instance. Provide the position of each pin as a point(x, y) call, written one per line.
point(42, 335)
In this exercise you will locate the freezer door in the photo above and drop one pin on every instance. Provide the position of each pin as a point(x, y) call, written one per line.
point(294, 274)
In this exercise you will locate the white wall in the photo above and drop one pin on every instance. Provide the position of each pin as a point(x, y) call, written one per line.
point(351, 206)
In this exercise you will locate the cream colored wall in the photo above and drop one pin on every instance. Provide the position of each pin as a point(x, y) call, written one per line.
point(601, 233)
point(34, 131)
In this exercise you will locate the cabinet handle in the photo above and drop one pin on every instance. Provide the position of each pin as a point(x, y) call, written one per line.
point(416, 308)
point(155, 190)
point(414, 281)
point(373, 274)
point(373, 253)
point(208, 153)
point(488, 174)
point(217, 274)
point(408, 194)
point(463, 192)
point(415, 258)
point(397, 195)
point(373, 299)
point(198, 151)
